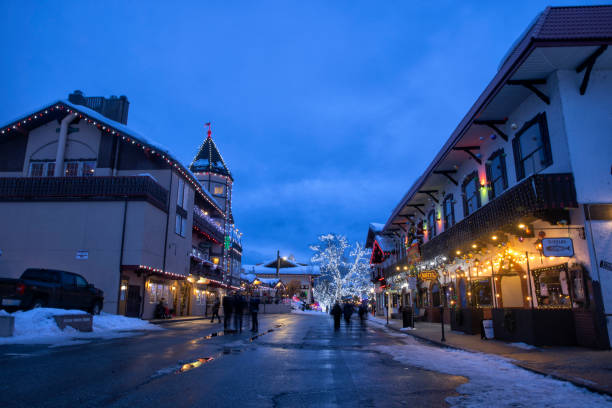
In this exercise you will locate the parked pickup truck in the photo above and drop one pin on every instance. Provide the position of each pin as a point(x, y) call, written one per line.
point(49, 288)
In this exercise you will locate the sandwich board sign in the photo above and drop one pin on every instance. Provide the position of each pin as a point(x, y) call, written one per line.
point(557, 247)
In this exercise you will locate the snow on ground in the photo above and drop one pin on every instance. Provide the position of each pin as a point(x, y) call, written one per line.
point(37, 326)
point(493, 380)
point(310, 312)
point(523, 346)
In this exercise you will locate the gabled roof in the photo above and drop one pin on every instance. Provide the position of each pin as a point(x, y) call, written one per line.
point(51, 111)
point(584, 27)
point(299, 269)
point(209, 159)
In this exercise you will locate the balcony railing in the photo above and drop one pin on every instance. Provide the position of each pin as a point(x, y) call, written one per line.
point(207, 226)
point(93, 188)
point(535, 196)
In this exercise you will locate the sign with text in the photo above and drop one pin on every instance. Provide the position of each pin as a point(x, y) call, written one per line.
point(428, 275)
point(557, 247)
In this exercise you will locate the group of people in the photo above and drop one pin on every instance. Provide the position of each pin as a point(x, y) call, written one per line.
point(347, 311)
point(234, 304)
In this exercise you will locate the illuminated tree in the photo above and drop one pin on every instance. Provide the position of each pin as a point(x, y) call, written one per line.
point(345, 269)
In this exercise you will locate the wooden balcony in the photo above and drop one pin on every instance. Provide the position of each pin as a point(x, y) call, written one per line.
point(541, 196)
point(132, 188)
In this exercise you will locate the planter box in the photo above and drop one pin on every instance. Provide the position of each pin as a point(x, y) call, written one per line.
point(80, 322)
point(7, 326)
point(466, 320)
point(539, 327)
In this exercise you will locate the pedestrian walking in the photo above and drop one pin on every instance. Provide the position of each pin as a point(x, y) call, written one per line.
point(348, 311)
point(336, 311)
point(228, 308)
point(239, 304)
point(215, 310)
point(254, 309)
point(363, 309)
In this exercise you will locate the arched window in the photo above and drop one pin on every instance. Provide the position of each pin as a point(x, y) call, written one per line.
point(448, 209)
point(471, 194)
point(496, 173)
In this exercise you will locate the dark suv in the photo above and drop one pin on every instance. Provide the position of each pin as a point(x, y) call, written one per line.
point(50, 288)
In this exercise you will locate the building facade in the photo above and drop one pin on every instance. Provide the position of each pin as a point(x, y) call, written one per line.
point(512, 220)
point(82, 192)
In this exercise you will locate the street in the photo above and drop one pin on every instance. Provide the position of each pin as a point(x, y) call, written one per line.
point(301, 362)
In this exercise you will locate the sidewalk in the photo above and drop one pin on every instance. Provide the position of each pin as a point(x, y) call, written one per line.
point(581, 366)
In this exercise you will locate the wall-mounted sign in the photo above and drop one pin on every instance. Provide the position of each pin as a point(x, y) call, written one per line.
point(603, 264)
point(557, 247)
point(428, 275)
point(82, 255)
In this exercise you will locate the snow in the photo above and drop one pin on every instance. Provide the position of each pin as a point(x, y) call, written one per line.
point(524, 346)
point(37, 326)
point(493, 380)
point(376, 227)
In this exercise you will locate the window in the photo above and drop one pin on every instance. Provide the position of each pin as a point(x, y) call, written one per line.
point(80, 282)
point(180, 198)
point(531, 147)
point(449, 211)
point(471, 196)
point(496, 173)
point(159, 291)
point(71, 169)
point(68, 279)
point(36, 169)
point(218, 190)
point(181, 225)
point(88, 168)
point(482, 292)
point(431, 224)
point(42, 169)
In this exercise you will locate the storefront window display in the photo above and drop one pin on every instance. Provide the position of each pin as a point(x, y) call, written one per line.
point(482, 292)
point(551, 286)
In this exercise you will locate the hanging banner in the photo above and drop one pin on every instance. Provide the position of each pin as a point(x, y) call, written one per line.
point(557, 247)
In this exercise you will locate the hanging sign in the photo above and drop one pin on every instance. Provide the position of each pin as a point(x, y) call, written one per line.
point(428, 275)
point(603, 264)
point(557, 247)
point(227, 242)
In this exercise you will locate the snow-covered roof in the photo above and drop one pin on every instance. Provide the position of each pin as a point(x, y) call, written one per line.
point(376, 227)
point(297, 270)
point(115, 128)
point(386, 243)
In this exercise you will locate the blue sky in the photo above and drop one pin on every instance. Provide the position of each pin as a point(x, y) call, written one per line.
point(325, 112)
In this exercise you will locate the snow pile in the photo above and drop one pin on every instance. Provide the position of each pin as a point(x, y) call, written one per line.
point(37, 326)
point(493, 380)
point(523, 346)
point(309, 312)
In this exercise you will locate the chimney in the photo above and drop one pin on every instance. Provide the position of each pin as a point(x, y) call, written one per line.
point(114, 108)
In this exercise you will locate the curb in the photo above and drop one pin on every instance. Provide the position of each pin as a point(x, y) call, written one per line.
point(515, 362)
point(166, 321)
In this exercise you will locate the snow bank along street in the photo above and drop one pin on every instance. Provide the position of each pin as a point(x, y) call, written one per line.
point(37, 326)
point(493, 381)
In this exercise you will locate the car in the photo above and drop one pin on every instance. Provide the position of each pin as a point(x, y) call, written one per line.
point(50, 288)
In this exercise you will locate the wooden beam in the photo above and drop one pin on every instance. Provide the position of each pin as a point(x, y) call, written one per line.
point(468, 150)
point(530, 84)
point(447, 173)
point(430, 193)
point(588, 63)
point(417, 207)
point(492, 124)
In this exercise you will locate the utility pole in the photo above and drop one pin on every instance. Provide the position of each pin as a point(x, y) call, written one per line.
point(277, 263)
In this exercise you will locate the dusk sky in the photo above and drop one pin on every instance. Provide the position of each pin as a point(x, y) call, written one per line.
point(325, 112)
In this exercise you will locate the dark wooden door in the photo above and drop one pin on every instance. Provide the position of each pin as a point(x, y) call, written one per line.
point(132, 307)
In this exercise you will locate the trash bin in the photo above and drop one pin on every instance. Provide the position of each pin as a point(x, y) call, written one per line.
point(488, 329)
point(407, 317)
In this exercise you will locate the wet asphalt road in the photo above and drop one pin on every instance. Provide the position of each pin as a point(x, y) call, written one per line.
point(299, 361)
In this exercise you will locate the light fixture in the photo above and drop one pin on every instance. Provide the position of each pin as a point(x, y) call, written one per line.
point(521, 226)
point(474, 246)
point(458, 252)
point(494, 237)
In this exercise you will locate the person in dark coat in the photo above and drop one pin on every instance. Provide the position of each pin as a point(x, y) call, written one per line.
point(348, 311)
point(254, 309)
point(336, 311)
point(215, 310)
point(239, 304)
point(228, 308)
point(363, 309)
